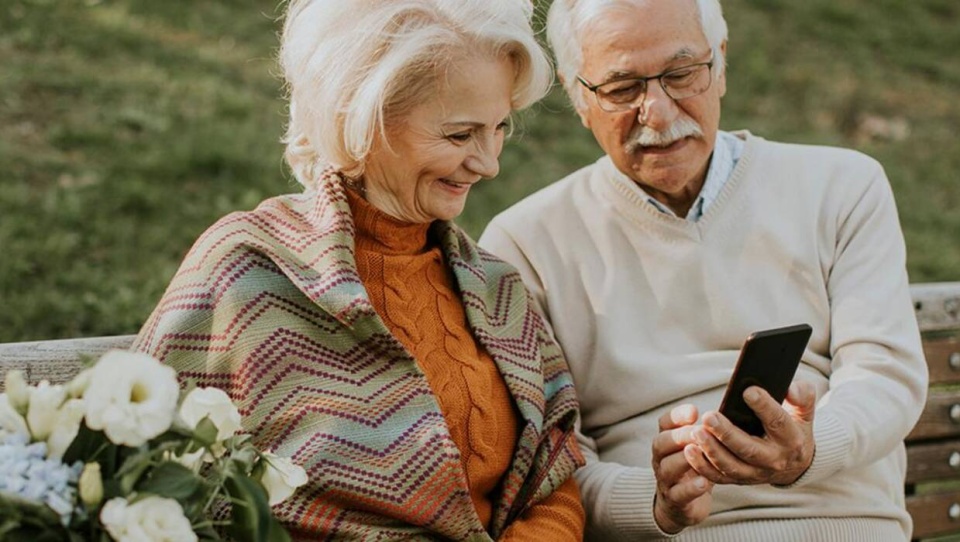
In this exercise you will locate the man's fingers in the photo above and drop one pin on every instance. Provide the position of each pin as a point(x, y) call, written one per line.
point(688, 490)
point(678, 417)
point(732, 452)
point(672, 468)
point(675, 431)
point(740, 458)
point(702, 466)
point(802, 400)
point(671, 442)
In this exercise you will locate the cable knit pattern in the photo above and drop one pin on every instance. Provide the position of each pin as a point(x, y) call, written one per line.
point(413, 291)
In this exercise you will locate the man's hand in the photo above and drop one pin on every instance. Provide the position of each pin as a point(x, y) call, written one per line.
point(683, 496)
point(724, 454)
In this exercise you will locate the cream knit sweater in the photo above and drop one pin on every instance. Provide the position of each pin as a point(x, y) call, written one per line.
point(651, 311)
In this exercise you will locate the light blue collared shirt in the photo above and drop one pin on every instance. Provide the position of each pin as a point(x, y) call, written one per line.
point(726, 153)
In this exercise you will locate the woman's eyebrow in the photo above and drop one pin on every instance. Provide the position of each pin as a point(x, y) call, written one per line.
point(465, 123)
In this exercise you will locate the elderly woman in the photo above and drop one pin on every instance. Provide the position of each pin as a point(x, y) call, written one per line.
point(361, 332)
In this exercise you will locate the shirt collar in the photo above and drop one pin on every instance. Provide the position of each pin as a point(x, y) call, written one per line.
point(726, 153)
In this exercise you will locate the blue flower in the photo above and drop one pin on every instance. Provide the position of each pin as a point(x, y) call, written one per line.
point(26, 472)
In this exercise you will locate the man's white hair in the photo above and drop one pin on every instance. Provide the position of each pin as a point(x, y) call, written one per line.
point(352, 66)
point(567, 19)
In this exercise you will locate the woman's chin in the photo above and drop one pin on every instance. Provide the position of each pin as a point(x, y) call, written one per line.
point(448, 210)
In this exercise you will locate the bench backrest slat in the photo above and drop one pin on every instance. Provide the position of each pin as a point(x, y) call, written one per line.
point(56, 361)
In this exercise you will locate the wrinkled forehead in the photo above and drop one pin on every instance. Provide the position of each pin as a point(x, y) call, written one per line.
point(645, 32)
point(639, 16)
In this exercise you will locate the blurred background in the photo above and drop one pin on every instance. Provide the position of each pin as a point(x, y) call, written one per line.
point(127, 127)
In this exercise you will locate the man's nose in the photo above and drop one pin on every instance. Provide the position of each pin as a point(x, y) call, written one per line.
point(657, 110)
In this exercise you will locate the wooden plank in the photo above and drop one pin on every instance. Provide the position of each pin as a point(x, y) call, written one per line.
point(934, 514)
point(933, 461)
point(943, 358)
point(940, 417)
point(56, 361)
point(937, 305)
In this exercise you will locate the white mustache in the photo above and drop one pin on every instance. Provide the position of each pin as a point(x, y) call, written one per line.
point(644, 136)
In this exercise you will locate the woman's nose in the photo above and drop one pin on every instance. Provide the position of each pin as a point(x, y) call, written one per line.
point(485, 161)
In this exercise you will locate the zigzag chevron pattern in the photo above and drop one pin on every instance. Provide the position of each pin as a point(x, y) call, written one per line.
point(268, 307)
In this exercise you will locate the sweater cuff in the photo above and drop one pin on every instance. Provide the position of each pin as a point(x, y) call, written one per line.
point(630, 507)
point(832, 447)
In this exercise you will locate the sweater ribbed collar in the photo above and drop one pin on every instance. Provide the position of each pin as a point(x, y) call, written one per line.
point(379, 232)
point(627, 196)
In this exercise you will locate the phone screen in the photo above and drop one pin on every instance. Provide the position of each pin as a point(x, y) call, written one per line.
point(768, 359)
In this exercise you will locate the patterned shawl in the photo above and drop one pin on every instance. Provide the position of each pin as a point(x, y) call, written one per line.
point(268, 306)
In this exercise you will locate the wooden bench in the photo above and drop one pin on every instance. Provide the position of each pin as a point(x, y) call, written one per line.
point(933, 447)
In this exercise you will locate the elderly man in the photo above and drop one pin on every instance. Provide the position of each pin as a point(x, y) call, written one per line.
point(654, 263)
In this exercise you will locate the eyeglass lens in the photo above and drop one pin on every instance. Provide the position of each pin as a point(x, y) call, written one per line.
point(678, 84)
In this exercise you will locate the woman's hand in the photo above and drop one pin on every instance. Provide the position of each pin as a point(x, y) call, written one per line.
point(683, 496)
point(724, 454)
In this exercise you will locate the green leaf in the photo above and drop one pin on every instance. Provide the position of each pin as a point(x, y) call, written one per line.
point(245, 458)
point(207, 532)
point(33, 534)
point(206, 432)
point(252, 520)
point(173, 480)
point(28, 521)
point(176, 433)
point(132, 469)
point(90, 445)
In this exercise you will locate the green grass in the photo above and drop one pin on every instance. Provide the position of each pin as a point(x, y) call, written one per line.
point(129, 126)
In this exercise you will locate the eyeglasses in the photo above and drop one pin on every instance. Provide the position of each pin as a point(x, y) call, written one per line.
point(678, 84)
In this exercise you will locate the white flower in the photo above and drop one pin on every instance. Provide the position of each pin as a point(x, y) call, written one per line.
point(153, 519)
point(10, 420)
point(18, 391)
point(78, 386)
point(281, 478)
point(211, 403)
point(91, 485)
point(45, 401)
point(132, 397)
point(66, 425)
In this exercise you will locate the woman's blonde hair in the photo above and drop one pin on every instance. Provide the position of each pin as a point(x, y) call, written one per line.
point(351, 66)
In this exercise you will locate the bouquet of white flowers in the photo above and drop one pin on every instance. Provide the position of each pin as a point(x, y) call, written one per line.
point(117, 454)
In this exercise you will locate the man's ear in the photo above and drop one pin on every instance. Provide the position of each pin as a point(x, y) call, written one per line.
point(581, 112)
point(722, 80)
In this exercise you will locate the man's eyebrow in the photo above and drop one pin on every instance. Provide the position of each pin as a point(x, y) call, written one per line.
point(617, 75)
point(684, 53)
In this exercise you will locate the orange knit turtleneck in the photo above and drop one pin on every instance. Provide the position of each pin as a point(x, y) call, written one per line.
point(413, 291)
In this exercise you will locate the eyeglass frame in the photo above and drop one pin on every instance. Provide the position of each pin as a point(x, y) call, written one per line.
point(646, 84)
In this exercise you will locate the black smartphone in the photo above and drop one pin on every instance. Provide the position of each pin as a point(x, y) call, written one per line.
point(768, 359)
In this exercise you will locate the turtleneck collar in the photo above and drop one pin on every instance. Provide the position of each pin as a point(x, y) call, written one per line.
point(379, 232)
